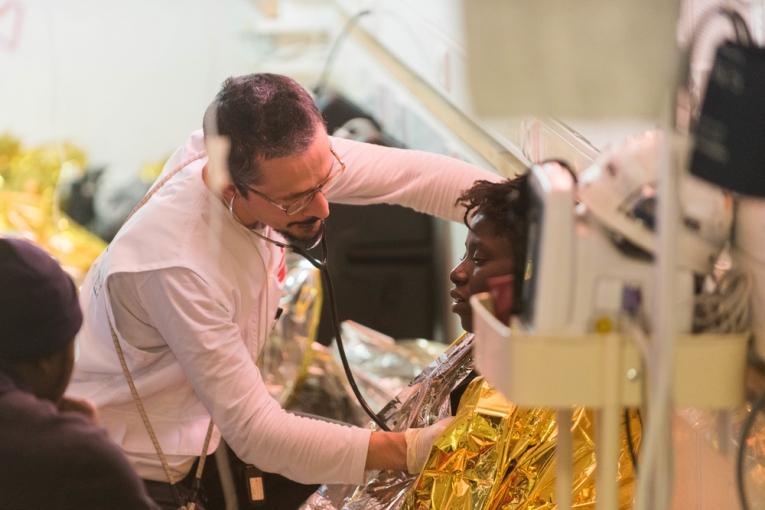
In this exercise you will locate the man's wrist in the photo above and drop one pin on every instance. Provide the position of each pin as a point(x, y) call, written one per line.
point(387, 450)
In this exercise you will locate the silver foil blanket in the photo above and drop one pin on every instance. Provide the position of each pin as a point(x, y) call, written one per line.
point(423, 402)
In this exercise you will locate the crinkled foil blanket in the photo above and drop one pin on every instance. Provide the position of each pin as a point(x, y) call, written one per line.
point(494, 455)
point(499, 456)
point(306, 377)
point(424, 401)
point(28, 182)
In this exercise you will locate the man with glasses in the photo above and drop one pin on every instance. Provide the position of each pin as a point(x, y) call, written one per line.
point(188, 290)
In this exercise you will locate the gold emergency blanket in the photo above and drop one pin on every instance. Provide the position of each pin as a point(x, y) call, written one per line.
point(497, 456)
point(28, 208)
point(423, 402)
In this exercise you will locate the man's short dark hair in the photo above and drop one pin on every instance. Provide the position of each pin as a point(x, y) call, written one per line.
point(505, 206)
point(264, 116)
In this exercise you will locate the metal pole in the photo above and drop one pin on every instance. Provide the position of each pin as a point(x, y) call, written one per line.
point(563, 450)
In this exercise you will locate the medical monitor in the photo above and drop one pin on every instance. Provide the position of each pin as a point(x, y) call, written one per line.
point(548, 283)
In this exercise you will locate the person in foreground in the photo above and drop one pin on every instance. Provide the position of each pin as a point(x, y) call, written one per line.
point(53, 455)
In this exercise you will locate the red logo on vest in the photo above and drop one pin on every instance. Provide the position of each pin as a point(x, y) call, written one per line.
point(282, 272)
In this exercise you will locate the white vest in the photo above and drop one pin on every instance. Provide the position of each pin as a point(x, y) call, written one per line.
point(182, 225)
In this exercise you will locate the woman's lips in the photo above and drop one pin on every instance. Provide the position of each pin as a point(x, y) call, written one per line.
point(460, 304)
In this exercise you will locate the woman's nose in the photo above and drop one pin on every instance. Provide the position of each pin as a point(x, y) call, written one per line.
point(459, 275)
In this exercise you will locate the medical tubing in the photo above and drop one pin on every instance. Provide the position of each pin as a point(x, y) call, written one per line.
point(322, 267)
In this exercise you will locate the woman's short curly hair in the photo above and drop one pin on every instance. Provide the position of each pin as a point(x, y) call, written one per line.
point(505, 206)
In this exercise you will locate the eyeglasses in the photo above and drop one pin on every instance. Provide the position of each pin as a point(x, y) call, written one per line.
point(304, 200)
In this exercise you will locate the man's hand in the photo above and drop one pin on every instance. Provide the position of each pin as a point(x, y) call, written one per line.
point(403, 450)
point(76, 405)
point(420, 441)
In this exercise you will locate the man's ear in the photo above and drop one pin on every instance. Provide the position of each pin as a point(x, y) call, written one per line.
point(228, 191)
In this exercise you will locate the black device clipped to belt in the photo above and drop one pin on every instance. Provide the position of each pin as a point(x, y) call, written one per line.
point(729, 147)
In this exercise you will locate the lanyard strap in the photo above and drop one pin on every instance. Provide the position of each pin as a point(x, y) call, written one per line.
point(190, 504)
point(163, 181)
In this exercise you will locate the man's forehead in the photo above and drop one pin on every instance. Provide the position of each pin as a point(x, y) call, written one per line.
point(296, 174)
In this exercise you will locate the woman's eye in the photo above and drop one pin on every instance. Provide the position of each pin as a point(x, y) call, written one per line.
point(479, 261)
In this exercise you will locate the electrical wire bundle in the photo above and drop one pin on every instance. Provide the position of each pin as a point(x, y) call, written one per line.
point(723, 305)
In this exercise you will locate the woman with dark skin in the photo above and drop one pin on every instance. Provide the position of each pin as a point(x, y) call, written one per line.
point(497, 221)
point(496, 217)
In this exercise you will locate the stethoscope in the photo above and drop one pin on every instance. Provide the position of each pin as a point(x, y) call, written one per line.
point(321, 265)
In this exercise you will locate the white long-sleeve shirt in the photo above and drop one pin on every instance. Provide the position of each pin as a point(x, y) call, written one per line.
point(193, 295)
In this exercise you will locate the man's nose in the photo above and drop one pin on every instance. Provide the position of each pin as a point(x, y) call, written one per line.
point(318, 207)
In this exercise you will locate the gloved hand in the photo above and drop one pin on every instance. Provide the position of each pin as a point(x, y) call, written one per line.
point(419, 442)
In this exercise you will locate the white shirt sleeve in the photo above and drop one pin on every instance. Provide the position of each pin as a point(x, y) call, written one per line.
point(209, 347)
point(426, 182)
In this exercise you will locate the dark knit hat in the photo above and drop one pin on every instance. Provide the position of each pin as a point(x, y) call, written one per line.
point(39, 310)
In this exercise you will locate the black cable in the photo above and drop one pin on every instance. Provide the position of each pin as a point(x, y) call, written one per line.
point(343, 358)
point(322, 267)
point(321, 83)
point(630, 442)
point(746, 431)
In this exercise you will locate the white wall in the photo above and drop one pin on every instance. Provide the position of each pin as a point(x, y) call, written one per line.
point(427, 35)
point(127, 81)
